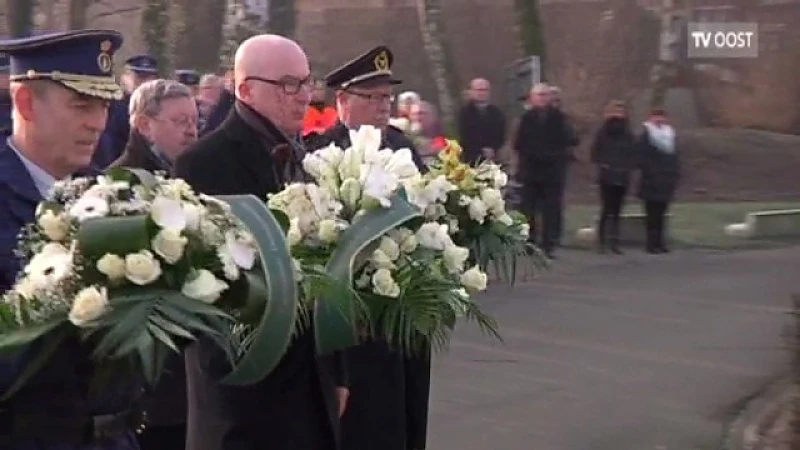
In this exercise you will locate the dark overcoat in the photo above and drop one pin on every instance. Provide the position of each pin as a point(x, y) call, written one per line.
point(57, 401)
point(165, 404)
point(388, 405)
point(659, 171)
point(294, 407)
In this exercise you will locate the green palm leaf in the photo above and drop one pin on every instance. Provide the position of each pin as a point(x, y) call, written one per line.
point(273, 332)
point(335, 317)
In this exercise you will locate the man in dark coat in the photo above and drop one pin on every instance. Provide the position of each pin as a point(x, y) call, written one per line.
point(541, 143)
point(164, 125)
point(296, 407)
point(219, 112)
point(61, 85)
point(481, 125)
point(139, 69)
point(388, 404)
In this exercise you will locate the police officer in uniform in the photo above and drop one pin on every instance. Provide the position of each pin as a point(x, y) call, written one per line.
point(139, 69)
point(388, 404)
point(61, 87)
point(5, 98)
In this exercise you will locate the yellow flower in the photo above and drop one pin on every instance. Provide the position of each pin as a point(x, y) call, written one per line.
point(451, 152)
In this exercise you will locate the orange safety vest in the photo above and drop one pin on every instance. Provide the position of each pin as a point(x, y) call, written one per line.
point(318, 121)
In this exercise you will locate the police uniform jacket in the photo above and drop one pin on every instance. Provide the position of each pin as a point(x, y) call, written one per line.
point(115, 136)
point(388, 404)
point(52, 410)
point(294, 407)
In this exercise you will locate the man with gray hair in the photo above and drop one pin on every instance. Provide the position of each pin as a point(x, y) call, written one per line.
point(163, 120)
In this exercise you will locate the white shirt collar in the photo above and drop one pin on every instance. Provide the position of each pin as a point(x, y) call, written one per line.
point(43, 181)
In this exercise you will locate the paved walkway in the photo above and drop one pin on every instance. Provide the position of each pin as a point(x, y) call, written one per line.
point(636, 352)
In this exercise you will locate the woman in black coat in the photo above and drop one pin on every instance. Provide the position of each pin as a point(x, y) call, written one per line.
point(660, 168)
point(613, 152)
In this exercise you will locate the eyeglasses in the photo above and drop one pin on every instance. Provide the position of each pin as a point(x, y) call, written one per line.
point(290, 85)
point(374, 98)
point(180, 122)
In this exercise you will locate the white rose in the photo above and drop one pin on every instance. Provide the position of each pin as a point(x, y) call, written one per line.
point(294, 235)
point(328, 231)
point(381, 260)
point(204, 287)
point(390, 248)
point(525, 230)
point(477, 210)
point(89, 305)
point(384, 284)
point(405, 239)
point(455, 257)
point(474, 279)
point(54, 226)
point(500, 179)
point(111, 266)
point(142, 268)
point(506, 220)
point(493, 199)
point(193, 214)
point(434, 236)
point(169, 244)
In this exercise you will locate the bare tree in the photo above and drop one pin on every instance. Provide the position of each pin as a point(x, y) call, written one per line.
point(239, 24)
point(433, 38)
point(77, 14)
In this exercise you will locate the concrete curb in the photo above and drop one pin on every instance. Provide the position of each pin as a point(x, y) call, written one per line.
point(745, 431)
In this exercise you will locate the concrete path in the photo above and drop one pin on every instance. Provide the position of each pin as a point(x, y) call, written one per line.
point(636, 352)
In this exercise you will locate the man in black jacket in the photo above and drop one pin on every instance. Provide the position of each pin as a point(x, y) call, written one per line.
point(541, 143)
point(296, 407)
point(481, 125)
point(388, 404)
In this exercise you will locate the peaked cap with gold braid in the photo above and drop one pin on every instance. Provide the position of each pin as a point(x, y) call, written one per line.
point(81, 60)
point(372, 67)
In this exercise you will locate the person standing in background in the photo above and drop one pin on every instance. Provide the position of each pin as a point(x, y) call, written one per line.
point(574, 140)
point(660, 168)
point(614, 153)
point(481, 125)
point(138, 70)
point(319, 116)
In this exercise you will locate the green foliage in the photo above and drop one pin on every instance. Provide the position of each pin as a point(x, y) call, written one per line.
point(155, 29)
point(272, 333)
point(335, 316)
